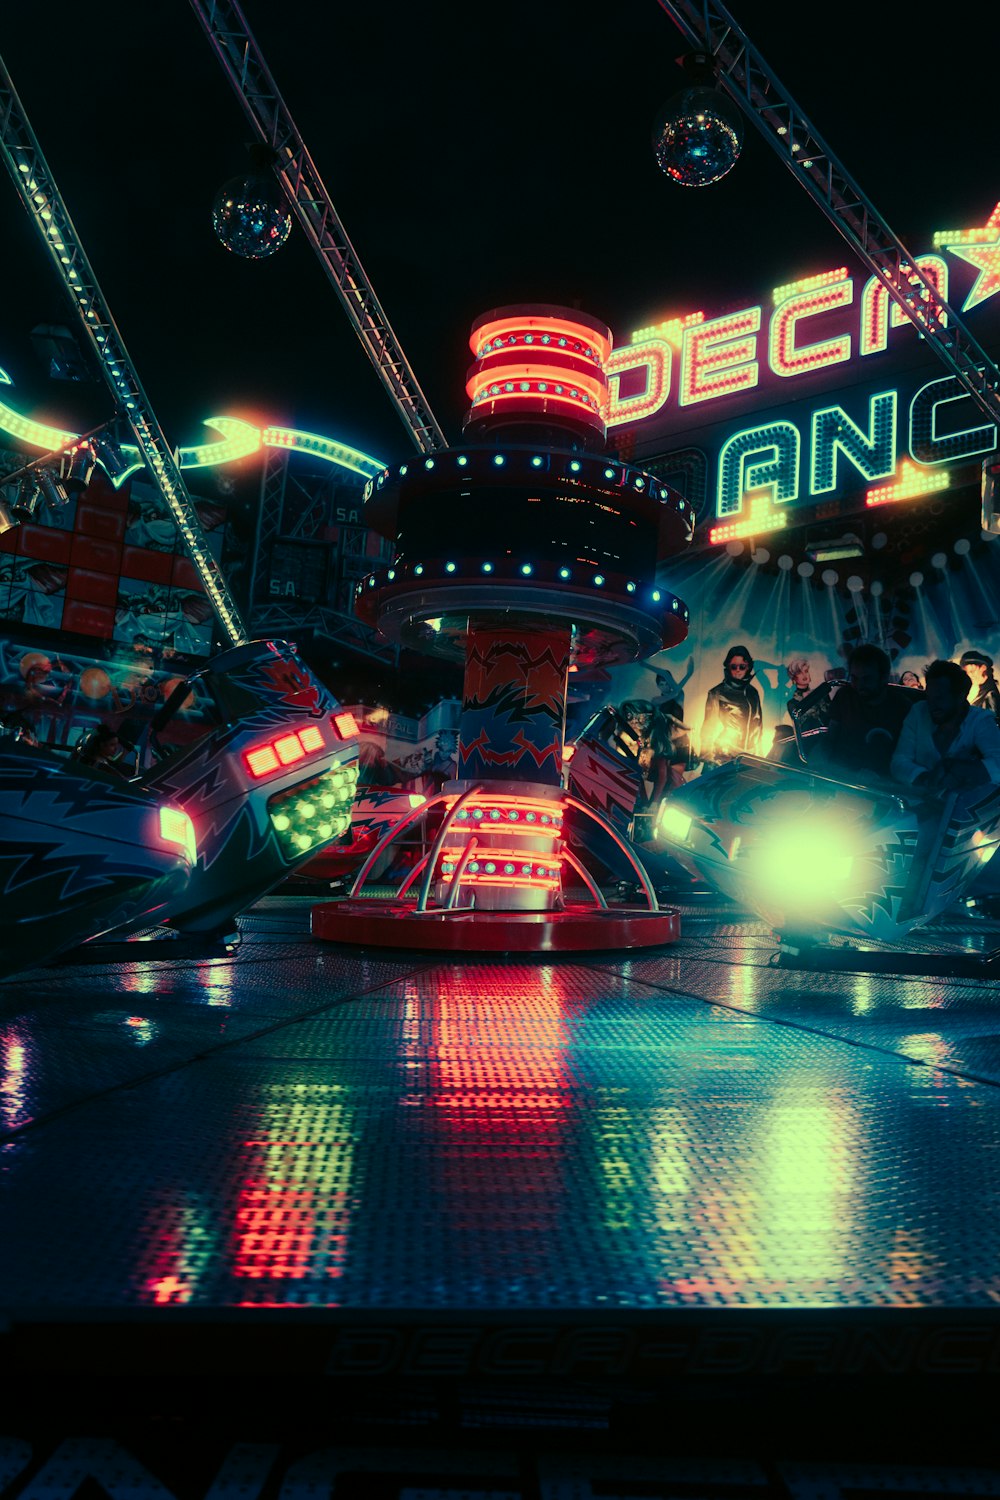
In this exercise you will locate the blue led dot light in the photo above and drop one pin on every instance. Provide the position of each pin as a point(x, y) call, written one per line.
point(371, 583)
point(419, 569)
point(490, 867)
point(529, 817)
point(428, 463)
point(477, 812)
point(449, 567)
point(391, 574)
point(462, 460)
point(513, 815)
point(564, 572)
point(495, 814)
point(609, 473)
point(526, 569)
point(640, 483)
point(630, 588)
point(657, 596)
point(508, 869)
point(474, 867)
point(598, 579)
point(499, 459)
point(487, 567)
point(461, 814)
point(402, 470)
point(536, 462)
point(574, 466)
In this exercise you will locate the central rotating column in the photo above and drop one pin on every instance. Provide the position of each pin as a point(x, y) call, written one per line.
point(530, 553)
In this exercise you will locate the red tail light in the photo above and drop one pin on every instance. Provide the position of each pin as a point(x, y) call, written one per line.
point(264, 760)
point(261, 762)
point(345, 724)
point(289, 749)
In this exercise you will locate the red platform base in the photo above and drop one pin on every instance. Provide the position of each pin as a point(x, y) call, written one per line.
point(396, 924)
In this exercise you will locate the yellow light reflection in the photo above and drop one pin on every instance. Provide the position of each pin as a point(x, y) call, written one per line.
point(14, 1078)
point(293, 1210)
point(804, 1219)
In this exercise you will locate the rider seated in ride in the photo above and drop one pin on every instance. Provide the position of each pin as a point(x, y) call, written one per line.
point(945, 745)
point(865, 718)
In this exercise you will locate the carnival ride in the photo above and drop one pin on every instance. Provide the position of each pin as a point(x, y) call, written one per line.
point(81, 853)
point(819, 858)
point(519, 630)
point(204, 827)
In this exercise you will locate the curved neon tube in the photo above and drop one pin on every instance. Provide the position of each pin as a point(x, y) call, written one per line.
point(239, 440)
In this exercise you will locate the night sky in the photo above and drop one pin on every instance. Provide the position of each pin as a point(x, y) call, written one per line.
point(476, 157)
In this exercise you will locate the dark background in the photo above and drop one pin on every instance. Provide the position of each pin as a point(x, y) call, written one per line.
point(476, 157)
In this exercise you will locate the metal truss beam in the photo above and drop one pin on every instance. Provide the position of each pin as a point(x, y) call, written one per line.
point(38, 192)
point(747, 78)
point(269, 518)
point(243, 63)
point(277, 617)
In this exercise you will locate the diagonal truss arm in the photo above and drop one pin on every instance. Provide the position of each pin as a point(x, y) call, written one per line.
point(236, 48)
point(41, 197)
point(746, 77)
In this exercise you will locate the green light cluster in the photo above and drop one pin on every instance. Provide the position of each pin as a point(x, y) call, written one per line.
point(314, 812)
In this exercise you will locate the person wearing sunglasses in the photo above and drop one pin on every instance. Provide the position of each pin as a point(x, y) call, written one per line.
point(733, 719)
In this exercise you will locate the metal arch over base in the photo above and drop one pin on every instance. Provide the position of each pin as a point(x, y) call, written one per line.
point(576, 929)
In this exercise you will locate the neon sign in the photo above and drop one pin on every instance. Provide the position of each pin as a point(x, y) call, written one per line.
point(238, 440)
point(874, 442)
point(721, 357)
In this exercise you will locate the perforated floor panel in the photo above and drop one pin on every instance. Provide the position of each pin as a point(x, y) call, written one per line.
point(582, 1166)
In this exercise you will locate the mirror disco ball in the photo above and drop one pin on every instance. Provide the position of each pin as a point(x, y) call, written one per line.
point(698, 138)
point(250, 217)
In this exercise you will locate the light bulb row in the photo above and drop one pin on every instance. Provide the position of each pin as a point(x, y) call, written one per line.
point(540, 573)
point(509, 815)
point(596, 472)
point(534, 340)
point(538, 388)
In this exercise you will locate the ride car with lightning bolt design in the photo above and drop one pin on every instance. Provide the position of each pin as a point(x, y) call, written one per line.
point(270, 783)
point(814, 856)
point(81, 853)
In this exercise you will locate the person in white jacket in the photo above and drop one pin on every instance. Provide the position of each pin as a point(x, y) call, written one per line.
point(945, 744)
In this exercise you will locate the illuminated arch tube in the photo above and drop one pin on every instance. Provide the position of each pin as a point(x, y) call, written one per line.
point(522, 555)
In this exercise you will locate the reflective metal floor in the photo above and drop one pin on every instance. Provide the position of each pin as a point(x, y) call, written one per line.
point(506, 1168)
point(302, 1125)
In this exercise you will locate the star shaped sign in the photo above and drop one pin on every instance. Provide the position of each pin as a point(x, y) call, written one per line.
point(981, 248)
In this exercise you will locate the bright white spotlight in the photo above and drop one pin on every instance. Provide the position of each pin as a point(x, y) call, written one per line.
point(803, 863)
point(672, 824)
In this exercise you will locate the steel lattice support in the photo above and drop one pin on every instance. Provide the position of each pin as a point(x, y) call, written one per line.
point(237, 50)
point(40, 195)
point(746, 77)
point(272, 505)
point(275, 617)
